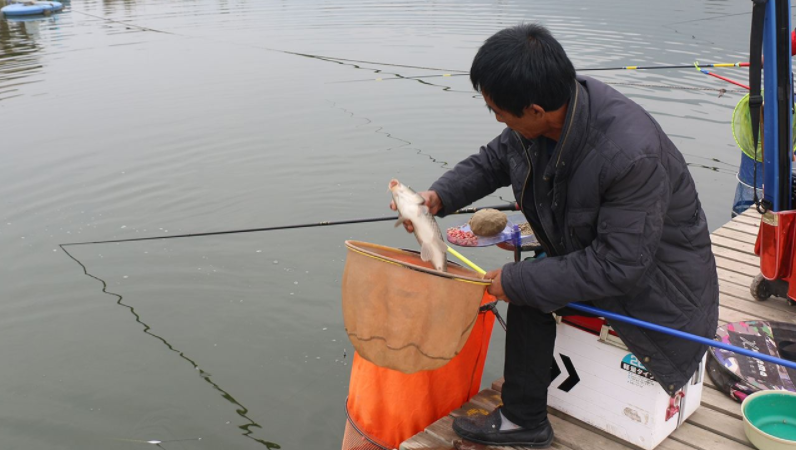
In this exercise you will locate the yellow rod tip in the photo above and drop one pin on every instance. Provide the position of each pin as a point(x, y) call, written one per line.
point(466, 261)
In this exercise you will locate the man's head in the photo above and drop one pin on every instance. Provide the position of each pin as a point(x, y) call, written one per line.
point(523, 70)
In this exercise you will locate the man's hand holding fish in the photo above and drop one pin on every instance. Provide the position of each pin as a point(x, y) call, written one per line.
point(433, 203)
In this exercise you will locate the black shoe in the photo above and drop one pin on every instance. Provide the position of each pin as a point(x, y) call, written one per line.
point(486, 430)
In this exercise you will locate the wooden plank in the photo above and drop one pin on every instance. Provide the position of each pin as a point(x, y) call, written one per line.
point(742, 292)
point(497, 385)
point(569, 434)
point(488, 399)
point(720, 402)
point(467, 445)
point(775, 303)
point(753, 221)
point(753, 216)
point(721, 424)
point(443, 430)
point(580, 436)
point(757, 309)
point(725, 242)
point(423, 441)
point(735, 290)
point(733, 276)
point(709, 382)
point(731, 315)
point(705, 440)
point(720, 413)
point(440, 434)
point(729, 276)
point(559, 445)
point(741, 227)
point(751, 212)
point(745, 238)
point(731, 254)
point(742, 306)
point(671, 444)
point(470, 409)
point(737, 267)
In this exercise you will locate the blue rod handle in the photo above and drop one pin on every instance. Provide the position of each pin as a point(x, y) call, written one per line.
point(677, 333)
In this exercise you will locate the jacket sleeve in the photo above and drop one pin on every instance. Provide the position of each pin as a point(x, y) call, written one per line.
point(629, 228)
point(476, 177)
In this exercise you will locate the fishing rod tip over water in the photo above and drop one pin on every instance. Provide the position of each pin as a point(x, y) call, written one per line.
point(468, 210)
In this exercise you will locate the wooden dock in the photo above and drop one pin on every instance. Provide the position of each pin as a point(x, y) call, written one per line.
point(717, 424)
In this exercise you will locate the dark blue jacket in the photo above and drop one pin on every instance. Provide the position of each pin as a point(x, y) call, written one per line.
point(621, 222)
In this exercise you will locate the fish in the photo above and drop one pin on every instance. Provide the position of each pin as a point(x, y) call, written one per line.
point(411, 206)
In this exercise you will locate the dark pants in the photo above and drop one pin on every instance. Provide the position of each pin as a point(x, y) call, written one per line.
point(530, 338)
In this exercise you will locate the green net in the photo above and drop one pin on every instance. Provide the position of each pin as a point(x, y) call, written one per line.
point(742, 130)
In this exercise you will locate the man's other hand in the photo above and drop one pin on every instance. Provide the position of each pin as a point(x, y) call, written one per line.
point(496, 288)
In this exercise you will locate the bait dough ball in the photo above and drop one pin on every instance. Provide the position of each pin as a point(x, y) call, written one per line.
point(488, 222)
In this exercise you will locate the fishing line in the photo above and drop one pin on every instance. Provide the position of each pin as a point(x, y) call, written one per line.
point(721, 91)
point(459, 72)
point(715, 160)
point(241, 410)
point(406, 145)
point(710, 18)
point(712, 168)
point(377, 63)
point(349, 61)
point(126, 23)
point(336, 60)
point(444, 75)
point(287, 52)
point(511, 207)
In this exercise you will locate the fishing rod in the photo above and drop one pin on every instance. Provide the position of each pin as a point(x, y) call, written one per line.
point(661, 329)
point(677, 66)
point(706, 72)
point(472, 209)
point(683, 335)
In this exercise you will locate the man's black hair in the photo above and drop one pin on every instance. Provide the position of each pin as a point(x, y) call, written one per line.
point(521, 66)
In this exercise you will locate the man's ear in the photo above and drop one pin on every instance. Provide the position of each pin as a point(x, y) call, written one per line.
point(534, 111)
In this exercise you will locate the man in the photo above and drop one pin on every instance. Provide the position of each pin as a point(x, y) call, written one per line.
point(610, 199)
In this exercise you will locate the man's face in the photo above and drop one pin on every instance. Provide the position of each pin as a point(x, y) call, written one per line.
point(531, 125)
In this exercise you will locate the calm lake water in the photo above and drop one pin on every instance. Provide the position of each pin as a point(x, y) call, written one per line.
point(123, 119)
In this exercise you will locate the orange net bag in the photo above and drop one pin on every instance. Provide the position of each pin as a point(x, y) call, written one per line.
point(385, 406)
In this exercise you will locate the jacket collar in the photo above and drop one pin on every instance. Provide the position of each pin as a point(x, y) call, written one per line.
point(570, 149)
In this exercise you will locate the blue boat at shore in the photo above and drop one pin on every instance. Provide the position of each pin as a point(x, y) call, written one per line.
point(31, 8)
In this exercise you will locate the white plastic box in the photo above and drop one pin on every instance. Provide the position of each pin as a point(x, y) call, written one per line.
point(603, 384)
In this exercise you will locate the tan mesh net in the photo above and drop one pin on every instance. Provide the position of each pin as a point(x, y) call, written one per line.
point(402, 314)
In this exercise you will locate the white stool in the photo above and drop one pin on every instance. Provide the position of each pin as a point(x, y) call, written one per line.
point(603, 384)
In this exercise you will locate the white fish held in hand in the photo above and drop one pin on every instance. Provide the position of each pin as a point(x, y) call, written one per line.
point(411, 206)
